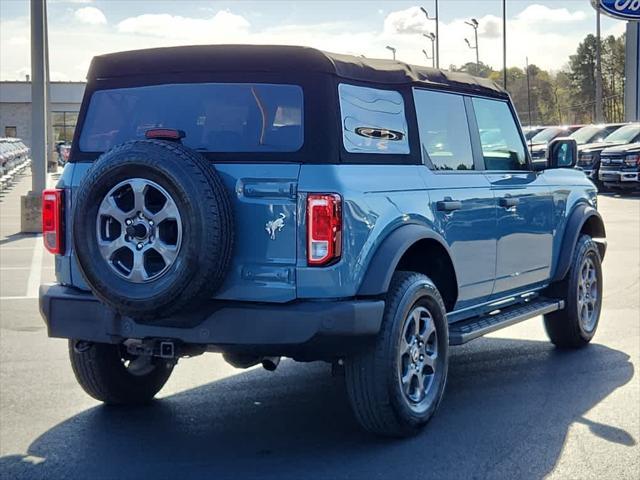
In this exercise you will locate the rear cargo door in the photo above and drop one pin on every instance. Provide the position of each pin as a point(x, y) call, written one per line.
point(265, 219)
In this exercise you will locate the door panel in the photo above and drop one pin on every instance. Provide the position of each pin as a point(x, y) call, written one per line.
point(524, 230)
point(460, 196)
point(523, 200)
point(470, 230)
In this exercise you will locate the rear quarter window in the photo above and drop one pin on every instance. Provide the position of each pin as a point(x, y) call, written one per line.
point(373, 120)
point(216, 117)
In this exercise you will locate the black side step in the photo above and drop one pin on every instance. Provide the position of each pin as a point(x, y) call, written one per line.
point(466, 330)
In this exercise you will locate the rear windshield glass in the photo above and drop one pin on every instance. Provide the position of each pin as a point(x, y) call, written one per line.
point(215, 117)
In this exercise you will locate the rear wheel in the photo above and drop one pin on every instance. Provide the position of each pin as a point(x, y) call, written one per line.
point(581, 290)
point(396, 384)
point(109, 374)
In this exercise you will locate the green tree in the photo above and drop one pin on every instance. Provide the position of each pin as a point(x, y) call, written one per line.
point(613, 60)
point(582, 73)
point(479, 70)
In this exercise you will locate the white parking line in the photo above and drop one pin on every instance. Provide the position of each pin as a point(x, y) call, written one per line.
point(25, 268)
point(18, 298)
point(35, 273)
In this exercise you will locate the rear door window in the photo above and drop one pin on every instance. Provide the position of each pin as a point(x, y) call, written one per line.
point(502, 145)
point(444, 131)
point(216, 117)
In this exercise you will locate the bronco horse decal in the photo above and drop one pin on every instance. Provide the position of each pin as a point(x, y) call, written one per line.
point(274, 226)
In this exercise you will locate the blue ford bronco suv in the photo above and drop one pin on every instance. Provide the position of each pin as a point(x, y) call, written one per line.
point(270, 201)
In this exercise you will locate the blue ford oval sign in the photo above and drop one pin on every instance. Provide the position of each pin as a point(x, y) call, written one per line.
point(622, 9)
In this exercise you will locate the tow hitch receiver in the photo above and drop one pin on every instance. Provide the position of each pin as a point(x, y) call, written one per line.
point(166, 349)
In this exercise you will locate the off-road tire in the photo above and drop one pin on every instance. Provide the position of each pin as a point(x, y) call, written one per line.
point(372, 377)
point(207, 239)
point(564, 328)
point(101, 373)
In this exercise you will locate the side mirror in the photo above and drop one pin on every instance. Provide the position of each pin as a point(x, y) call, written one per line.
point(562, 153)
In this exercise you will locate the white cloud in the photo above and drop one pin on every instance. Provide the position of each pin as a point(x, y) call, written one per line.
point(541, 14)
point(90, 16)
point(72, 49)
point(223, 23)
point(409, 21)
point(617, 29)
point(491, 27)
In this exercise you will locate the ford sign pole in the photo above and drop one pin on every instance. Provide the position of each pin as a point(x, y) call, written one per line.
point(632, 73)
point(628, 10)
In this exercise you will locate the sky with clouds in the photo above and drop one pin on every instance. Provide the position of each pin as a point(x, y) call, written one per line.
point(545, 31)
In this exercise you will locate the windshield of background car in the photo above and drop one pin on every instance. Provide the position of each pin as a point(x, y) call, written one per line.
point(625, 134)
point(546, 135)
point(532, 132)
point(588, 134)
point(216, 117)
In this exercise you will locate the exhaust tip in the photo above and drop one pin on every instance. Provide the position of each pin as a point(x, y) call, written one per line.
point(270, 363)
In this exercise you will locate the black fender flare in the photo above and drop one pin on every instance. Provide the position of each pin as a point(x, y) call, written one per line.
point(383, 264)
point(577, 219)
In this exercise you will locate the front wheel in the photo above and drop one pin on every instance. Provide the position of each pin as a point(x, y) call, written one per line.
point(109, 374)
point(581, 290)
point(396, 384)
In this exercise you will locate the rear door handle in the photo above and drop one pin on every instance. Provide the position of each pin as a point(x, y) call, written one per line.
point(508, 202)
point(448, 205)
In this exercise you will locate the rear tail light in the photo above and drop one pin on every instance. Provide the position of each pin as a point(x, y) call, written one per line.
point(324, 228)
point(52, 233)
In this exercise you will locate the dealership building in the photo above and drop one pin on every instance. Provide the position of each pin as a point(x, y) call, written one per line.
point(15, 110)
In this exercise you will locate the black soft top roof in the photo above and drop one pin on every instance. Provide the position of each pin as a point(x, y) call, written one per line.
point(281, 59)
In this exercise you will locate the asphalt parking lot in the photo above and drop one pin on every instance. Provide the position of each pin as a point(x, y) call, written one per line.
point(514, 407)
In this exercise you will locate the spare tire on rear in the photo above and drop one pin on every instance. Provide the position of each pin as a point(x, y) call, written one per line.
point(152, 228)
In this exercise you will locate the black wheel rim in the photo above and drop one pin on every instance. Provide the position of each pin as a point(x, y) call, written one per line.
point(418, 357)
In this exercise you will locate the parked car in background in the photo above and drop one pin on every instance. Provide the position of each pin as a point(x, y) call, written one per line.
point(582, 136)
point(530, 132)
point(13, 152)
point(595, 133)
point(589, 153)
point(538, 143)
point(620, 167)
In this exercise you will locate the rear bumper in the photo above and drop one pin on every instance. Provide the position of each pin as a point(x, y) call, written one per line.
point(299, 328)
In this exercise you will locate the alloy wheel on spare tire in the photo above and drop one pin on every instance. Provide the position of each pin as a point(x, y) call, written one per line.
point(152, 228)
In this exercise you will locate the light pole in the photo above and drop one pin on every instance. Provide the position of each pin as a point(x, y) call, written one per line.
point(437, 54)
point(393, 51)
point(31, 202)
point(528, 90)
point(432, 37)
point(504, 43)
point(474, 24)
